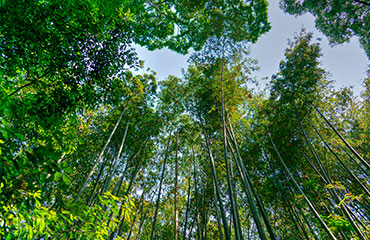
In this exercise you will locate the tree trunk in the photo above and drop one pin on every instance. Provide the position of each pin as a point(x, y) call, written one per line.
point(188, 199)
point(160, 189)
point(218, 194)
point(228, 173)
point(113, 170)
point(331, 235)
point(342, 163)
point(247, 185)
point(343, 140)
point(99, 158)
point(217, 213)
point(176, 226)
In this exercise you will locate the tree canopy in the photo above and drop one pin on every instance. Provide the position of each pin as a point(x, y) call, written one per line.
point(339, 20)
point(92, 149)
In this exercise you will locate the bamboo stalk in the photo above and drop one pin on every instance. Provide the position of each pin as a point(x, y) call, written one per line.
point(343, 140)
point(188, 199)
point(218, 194)
point(230, 189)
point(111, 173)
point(331, 235)
point(176, 220)
point(342, 163)
point(247, 185)
point(217, 214)
point(160, 188)
point(99, 158)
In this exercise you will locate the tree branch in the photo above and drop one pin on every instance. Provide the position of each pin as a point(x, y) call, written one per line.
point(28, 84)
point(156, 6)
point(362, 2)
point(232, 5)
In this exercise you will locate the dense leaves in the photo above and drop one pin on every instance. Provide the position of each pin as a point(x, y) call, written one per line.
point(339, 20)
point(91, 149)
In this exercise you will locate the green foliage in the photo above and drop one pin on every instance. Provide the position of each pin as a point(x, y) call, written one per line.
point(294, 89)
point(182, 25)
point(339, 20)
point(338, 223)
point(222, 67)
point(42, 222)
point(300, 78)
point(66, 80)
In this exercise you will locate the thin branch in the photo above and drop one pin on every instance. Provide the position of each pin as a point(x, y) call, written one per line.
point(28, 84)
point(156, 6)
point(232, 5)
point(362, 2)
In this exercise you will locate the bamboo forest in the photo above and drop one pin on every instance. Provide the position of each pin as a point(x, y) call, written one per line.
point(93, 145)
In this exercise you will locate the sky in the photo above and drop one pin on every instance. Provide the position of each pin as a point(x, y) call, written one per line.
point(347, 63)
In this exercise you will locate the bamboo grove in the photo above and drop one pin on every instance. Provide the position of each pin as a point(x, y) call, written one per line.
point(91, 148)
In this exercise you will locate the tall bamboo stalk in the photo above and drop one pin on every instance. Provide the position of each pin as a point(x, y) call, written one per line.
point(326, 175)
point(128, 190)
point(235, 199)
point(118, 186)
point(217, 213)
point(196, 215)
point(108, 178)
point(342, 163)
point(293, 218)
point(229, 183)
point(247, 185)
point(82, 188)
point(356, 162)
point(328, 231)
point(136, 213)
point(205, 218)
point(127, 193)
point(176, 220)
point(245, 177)
point(143, 218)
point(160, 188)
point(113, 170)
point(343, 140)
point(218, 194)
point(89, 200)
point(136, 170)
point(188, 198)
point(326, 179)
point(306, 220)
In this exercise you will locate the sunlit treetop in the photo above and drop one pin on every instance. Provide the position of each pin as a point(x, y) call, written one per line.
point(180, 25)
point(82, 45)
point(300, 75)
point(339, 20)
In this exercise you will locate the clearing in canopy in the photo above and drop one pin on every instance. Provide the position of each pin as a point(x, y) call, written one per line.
point(93, 146)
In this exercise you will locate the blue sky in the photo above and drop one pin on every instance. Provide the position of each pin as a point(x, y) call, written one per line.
point(347, 63)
